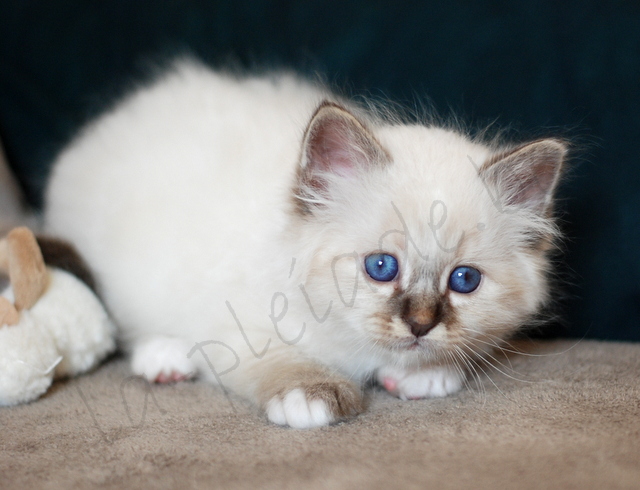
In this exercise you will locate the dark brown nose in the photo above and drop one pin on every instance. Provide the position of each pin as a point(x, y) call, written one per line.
point(420, 324)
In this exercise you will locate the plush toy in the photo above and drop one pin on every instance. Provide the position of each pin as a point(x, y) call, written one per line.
point(51, 323)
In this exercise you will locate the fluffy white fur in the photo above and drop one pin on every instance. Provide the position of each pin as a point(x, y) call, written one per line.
point(214, 255)
point(65, 333)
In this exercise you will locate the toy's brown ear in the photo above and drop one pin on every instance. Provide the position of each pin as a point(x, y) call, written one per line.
point(8, 313)
point(20, 256)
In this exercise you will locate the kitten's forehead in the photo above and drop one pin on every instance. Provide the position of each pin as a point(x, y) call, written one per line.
point(436, 168)
point(436, 199)
point(433, 154)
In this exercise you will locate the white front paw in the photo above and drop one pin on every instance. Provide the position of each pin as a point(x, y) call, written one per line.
point(427, 383)
point(298, 411)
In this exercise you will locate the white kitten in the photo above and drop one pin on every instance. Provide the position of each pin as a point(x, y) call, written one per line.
point(280, 242)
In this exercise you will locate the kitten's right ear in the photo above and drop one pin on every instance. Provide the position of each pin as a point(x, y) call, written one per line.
point(336, 143)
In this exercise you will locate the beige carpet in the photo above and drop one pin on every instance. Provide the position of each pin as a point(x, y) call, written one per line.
point(571, 419)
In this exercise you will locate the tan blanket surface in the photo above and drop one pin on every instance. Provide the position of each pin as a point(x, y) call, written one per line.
point(566, 416)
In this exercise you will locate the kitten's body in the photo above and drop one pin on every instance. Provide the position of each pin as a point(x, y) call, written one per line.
point(227, 241)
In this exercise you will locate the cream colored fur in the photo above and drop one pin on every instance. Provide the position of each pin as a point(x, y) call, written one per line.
point(184, 200)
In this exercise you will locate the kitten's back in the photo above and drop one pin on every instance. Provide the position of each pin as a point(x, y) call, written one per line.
point(183, 175)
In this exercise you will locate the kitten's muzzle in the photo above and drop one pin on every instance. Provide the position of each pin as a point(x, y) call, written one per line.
point(422, 321)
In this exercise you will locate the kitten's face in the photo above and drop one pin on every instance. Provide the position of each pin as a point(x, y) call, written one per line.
point(418, 257)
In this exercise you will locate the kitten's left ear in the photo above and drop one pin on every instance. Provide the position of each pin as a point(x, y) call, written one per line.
point(527, 177)
point(336, 143)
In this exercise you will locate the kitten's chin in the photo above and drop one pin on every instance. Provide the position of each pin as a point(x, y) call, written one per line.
point(412, 350)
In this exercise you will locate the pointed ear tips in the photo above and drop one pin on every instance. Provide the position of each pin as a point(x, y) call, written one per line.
point(550, 151)
point(557, 151)
point(328, 107)
point(325, 110)
point(558, 147)
point(328, 104)
point(553, 148)
point(334, 128)
point(550, 155)
point(529, 174)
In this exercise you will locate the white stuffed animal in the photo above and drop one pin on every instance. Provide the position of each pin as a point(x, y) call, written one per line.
point(51, 323)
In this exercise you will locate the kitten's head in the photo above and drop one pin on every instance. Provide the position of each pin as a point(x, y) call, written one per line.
point(427, 243)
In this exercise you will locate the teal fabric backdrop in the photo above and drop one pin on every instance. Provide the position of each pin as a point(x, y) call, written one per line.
point(537, 68)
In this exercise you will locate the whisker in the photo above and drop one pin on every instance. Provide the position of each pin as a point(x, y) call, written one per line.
point(485, 373)
point(459, 369)
point(493, 366)
point(464, 357)
point(493, 344)
point(476, 376)
point(513, 349)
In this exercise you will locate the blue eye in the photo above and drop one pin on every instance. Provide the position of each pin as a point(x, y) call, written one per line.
point(464, 279)
point(381, 267)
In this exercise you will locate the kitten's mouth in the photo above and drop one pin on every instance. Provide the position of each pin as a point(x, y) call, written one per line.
point(414, 345)
point(409, 344)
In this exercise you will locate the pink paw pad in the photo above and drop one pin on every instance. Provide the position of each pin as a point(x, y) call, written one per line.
point(174, 377)
point(389, 384)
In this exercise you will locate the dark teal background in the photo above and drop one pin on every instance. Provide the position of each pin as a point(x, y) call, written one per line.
point(538, 68)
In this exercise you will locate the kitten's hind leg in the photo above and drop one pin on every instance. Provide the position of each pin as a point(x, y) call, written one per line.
point(163, 360)
point(433, 382)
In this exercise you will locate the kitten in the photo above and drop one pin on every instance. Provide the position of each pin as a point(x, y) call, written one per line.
point(278, 241)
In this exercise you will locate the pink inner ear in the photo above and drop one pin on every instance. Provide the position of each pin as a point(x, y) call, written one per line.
point(333, 148)
point(527, 177)
point(532, 190)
